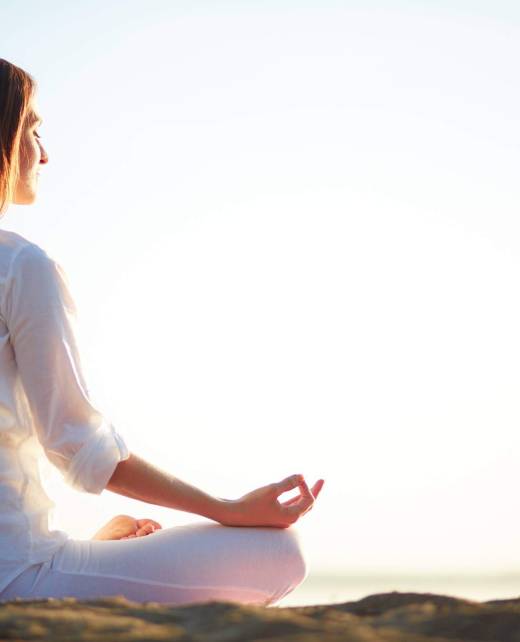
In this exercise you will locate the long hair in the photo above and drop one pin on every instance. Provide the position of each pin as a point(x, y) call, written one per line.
point(16, 90)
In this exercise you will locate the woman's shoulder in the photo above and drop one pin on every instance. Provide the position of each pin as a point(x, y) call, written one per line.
point(11, 245)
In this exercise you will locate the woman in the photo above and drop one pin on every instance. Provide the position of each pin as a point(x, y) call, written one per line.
point(45, 405)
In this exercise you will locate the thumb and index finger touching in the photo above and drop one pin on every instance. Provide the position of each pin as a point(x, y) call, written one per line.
point(307, 497)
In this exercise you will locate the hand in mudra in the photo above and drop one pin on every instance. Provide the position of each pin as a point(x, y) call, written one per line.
point(262, 508)
point(126, 527)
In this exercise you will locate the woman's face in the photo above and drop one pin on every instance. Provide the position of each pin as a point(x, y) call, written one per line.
point(32, 156)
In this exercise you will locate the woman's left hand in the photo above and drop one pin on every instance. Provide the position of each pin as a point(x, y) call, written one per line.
point(126, 527)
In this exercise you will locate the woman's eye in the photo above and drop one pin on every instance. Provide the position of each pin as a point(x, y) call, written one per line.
point(37, 134)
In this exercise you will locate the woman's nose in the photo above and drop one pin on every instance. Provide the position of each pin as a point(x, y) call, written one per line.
point(44, 157)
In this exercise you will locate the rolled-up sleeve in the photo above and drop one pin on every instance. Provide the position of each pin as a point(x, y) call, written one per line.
point(41, 318)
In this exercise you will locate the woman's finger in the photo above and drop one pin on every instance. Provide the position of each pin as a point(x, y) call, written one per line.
point(315, 490)
point(305, 491)
point(143, 522)
point(288, 484)
point(303, 504)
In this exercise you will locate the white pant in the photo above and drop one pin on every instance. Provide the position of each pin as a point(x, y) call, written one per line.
point(178, 565)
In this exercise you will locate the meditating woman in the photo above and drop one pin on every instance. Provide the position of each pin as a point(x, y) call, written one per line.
point(246, 552)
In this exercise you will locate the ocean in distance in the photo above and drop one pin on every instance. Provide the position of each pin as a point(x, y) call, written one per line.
point(330, 589)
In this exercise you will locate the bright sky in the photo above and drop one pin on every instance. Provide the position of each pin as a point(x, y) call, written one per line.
point(292, 231)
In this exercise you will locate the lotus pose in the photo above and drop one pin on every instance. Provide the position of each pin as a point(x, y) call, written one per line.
point(247, 551)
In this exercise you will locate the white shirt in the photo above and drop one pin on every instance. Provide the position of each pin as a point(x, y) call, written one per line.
point(44, 405)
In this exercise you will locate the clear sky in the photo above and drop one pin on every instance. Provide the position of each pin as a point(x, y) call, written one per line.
point(292, 231)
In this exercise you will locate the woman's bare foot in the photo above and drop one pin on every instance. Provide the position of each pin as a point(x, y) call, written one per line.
point(126, 527)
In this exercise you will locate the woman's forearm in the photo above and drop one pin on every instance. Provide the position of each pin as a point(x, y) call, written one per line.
point(138, 479)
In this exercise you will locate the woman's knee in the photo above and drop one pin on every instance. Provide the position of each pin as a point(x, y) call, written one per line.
point(287, 569)
point(295, 560)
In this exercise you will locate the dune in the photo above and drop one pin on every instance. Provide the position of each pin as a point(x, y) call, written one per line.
point(384, 617)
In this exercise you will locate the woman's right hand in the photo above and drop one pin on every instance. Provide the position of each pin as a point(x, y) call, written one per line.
point(126, 527)
point(262, 508)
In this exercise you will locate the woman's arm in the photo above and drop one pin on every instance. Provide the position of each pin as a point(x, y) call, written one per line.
point(41, 316)
point(40, 313)
point(138, 479)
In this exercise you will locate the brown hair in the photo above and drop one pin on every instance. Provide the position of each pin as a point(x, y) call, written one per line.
point(16, 90)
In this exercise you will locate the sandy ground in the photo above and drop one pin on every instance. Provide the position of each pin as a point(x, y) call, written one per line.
point(392, 617)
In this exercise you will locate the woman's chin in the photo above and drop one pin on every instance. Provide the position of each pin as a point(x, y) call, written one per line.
point(25, 199)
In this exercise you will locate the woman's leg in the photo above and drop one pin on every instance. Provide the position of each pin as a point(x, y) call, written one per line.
point(179, 565)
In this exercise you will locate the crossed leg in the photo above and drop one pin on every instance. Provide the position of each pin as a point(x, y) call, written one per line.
point(179, 565)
